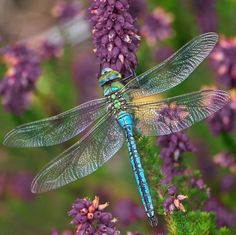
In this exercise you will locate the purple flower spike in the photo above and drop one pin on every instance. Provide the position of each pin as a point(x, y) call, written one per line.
point(206, 14)
point(23, 70)
point(172, 146)
point(64, 11)
point(49, 50)
point(157, 26)
point(90, 218)
point(114, 35)
point(225, 119)
point(224, 61)
point(128, 212)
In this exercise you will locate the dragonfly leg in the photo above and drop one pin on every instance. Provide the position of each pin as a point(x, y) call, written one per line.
point(132, 75)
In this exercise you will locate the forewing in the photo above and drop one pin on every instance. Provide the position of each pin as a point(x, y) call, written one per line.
point(173, 70)
point(56, 129)
point(83, 158)
point(177, 113)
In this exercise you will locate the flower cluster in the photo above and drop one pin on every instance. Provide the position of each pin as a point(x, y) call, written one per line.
point(206, 14)
point(91, 219)
point(224, 217)
point(226, 160)
point(114, 35)
point(84, 70)
point(198, 183)
point(172, 146)
point(128, 212)
point(49, 50)
point(65, 11)
point(173, 201)
point(23, 70)
point(224, 61)
point(157, 26)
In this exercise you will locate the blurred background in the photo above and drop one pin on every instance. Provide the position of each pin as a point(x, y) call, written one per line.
point(47, 66)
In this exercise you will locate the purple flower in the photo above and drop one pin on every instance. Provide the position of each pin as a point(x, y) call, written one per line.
point(198, 183)
point(19, 186)
point(138, 8)
point(114, 35)
point(49, 50)
point(173, 201)
point(128, 212)
point(172, 146)
point(224, 61)
point(23, 70)
point(157, 26)
point(228, 183)
point(65, 11)
point(206, 14)
point(224, 120)
point(162, 53)
point(224, 217)
point(85, 69)
point(226, 160)
point(90, 218)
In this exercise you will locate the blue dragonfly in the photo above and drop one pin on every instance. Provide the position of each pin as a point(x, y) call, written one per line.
point(111, 120)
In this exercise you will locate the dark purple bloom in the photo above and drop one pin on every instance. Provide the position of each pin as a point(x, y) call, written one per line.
point(23, 70)
point(224, 61)
point(85, 69)
point(64, 11)
point(173, 201)
point(226, 160)
point(224, 120)
point(19, 186)
point(114, 35)
point(90, 218)
point(162, 53)
point(138, 8)
point(49, 50)
point(128, 212)
point(172, 146)
point(206, 14)
point(157, 26)
point(198, 183)
point(224, 217)
point(228, 183)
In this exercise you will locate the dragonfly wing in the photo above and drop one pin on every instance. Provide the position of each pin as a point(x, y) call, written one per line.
point(83, 158)
point(56, 129)
point(173, 70)
point(177, 113)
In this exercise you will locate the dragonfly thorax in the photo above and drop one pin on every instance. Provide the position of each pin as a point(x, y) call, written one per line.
point(116, 103)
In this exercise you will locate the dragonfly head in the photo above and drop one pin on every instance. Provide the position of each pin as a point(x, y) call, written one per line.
point(108, 75)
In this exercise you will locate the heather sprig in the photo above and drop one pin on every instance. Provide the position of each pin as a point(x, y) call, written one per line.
point(115, 36)
point(224, 121)
point(172, 146)
point(157, 26)
point(91, 218)
point(224, 61)
point(23, 70)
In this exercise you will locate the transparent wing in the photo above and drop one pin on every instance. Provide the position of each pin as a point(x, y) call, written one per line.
point(56, 129)
point(83, 158)
point(173, 70)
point(177, 113)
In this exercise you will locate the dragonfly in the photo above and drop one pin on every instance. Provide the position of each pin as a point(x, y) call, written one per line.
point(112, 120)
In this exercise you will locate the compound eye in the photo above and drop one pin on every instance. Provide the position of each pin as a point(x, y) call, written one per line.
point(105, 70)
